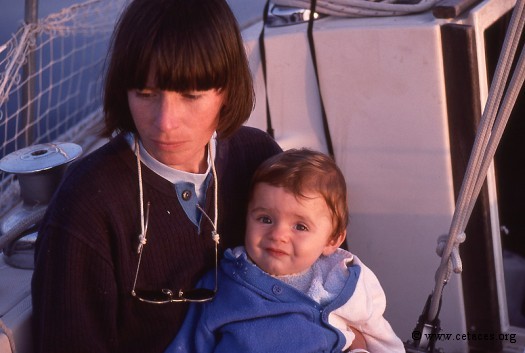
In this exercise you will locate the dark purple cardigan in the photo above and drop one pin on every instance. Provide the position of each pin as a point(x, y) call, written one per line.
point(86, 250)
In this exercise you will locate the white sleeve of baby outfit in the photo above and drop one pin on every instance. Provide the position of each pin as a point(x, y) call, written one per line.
point(364, 312)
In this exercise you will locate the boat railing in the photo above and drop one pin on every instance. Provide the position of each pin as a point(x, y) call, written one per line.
point(50, 81)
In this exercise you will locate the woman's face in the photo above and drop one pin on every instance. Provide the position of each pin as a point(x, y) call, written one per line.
point(175, 127)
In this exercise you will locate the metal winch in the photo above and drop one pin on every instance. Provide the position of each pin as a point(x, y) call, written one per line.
point(39, 170)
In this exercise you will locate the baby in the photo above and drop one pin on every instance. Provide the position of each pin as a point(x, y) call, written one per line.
point(291, 288)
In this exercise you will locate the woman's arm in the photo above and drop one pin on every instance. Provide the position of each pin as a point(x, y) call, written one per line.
point(74, 296)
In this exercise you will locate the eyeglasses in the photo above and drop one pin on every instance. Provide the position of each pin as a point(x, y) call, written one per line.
point(165, 295)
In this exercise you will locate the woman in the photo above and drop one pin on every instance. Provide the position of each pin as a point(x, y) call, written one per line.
point(129, 232)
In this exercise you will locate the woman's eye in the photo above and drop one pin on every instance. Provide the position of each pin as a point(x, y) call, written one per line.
point(145, 93)
point(264, 219)
point(301, 227)
point(190, 95)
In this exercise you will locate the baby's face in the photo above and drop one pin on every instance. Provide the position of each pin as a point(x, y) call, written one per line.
point(285, 234)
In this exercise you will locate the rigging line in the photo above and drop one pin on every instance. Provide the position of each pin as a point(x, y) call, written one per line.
point(487, 139)
point(495, 95)
point(508, 103)
point(311, 44)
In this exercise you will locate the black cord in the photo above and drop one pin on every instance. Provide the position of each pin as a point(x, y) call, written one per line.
point(269, 128)
point(311, 44)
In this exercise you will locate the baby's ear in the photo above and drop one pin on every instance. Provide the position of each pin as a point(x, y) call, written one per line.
point(333, 244)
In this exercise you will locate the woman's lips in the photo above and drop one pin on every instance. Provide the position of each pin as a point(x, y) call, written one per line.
point(167, 145)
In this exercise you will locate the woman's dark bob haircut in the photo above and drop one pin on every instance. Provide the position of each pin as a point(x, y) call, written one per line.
point(188, 45)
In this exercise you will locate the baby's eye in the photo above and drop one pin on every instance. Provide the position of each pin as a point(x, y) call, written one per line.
point(301, 227)
point(264, 219)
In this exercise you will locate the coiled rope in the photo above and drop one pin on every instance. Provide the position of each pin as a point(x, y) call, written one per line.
point(362, 8)
point(22, 225)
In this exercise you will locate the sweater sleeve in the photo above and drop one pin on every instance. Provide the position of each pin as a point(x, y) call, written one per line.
point(74, 289)
point(74, 296)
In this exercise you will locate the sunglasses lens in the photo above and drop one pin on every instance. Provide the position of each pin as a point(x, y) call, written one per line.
point(166, 296)
point(153, 296)
point(199, 295)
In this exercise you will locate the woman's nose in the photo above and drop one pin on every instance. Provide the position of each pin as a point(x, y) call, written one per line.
point(169, 112)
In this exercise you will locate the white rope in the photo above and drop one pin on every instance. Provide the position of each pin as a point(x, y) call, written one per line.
point(22, 225)
point(454, 264)
point(489, 133)
point(144, 216)
point(361, 8)
point(143, 223)
point(216, 193)
point(215, 235)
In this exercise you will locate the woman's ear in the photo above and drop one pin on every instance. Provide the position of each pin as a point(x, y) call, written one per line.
point(334, 243)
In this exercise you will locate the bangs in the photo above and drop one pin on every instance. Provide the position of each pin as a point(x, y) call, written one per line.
point(193, 65)
point(181, 53)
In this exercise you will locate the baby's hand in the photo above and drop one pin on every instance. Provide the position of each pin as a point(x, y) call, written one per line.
point(359, 343)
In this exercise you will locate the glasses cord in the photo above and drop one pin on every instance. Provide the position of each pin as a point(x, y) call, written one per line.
point(144, 224)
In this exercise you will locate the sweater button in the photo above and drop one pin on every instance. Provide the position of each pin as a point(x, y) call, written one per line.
point(277, 289)
point(186, 195)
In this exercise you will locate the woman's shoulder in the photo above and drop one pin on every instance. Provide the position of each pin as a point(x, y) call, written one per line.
point(107, 165)
point(245, 131)
point(108, 157)
point(93, 185)
point(115, 148)
point(247, 147)
point(250, 137)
